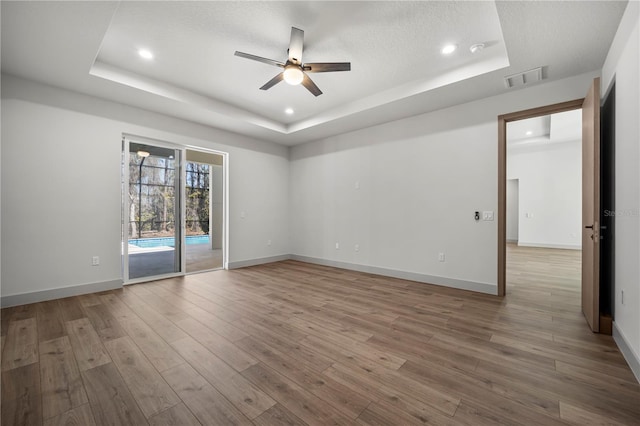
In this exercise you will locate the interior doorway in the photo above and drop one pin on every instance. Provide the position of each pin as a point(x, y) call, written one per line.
point(503, 121)
point(544, 181)
point(590, 196)
point(544, 211)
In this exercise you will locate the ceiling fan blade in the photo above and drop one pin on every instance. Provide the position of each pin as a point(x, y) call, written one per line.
point(311, 86)
point(275, 80)
point(296, 45)
point(260, 59)
point(327, 67)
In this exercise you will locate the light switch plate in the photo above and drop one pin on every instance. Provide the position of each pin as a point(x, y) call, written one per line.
point(487, 215)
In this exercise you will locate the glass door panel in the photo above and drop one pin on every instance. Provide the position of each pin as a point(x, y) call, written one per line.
point(203, 211)
point(153, 216)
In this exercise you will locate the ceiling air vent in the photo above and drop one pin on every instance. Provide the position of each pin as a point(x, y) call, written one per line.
point(522, 78)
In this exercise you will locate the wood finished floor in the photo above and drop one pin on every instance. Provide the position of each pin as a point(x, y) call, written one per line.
point(294, 343)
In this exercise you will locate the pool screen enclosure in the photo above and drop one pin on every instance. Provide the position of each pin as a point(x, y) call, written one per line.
point(153, 209)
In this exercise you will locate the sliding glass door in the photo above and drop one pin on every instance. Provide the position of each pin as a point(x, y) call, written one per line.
point(204, 211)
point(152, 210)
point(174, 210)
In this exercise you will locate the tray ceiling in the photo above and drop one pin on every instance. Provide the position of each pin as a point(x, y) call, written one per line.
point(394, 49)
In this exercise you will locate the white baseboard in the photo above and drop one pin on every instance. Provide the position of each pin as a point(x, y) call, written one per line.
point(412, 276)
point(632, 359)
point(550, 245)
point(58, 293)
point(259, 261)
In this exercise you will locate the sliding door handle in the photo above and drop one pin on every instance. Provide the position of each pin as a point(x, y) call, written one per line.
point(589, 226)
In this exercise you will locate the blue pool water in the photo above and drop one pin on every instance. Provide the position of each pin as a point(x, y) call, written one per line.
point(168, 242)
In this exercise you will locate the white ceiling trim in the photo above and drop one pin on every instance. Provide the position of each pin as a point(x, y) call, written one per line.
point(169, 91)
point(404, 91)
point(165, 90)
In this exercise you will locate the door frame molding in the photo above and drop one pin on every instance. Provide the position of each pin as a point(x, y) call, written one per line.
point(502, 175)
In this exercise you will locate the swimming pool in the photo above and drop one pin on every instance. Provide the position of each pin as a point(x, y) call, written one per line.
point(167, 241)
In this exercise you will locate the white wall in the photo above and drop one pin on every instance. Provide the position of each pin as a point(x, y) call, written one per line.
point(513, 215)
point(420, 180)
point(217, 206)
point(550, 193)
point(622, 65)
point(61, 186)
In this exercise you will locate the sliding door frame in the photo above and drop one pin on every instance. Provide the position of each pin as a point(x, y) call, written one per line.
point(180, 176)
point(179, 225)
point(225, 200)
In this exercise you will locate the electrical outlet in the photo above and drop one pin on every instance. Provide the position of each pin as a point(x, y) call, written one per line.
point(337, 246)
point(440, 257)
point(95, 260)
point(268, 242)
point(357, 247)
point(357, 184)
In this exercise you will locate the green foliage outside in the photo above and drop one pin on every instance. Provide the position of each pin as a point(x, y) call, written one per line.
point(154, 195)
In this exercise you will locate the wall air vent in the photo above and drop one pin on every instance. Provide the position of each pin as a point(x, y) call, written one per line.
point(522, 78)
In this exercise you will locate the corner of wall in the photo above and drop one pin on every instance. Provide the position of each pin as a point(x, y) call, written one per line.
point(627, 351)
point(623, 65)
point(630, 20)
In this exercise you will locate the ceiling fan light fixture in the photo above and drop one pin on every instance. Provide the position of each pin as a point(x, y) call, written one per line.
point(295, 71)
point(293, 75)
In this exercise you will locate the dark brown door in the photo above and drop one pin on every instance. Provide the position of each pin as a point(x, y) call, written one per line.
point(591, 206)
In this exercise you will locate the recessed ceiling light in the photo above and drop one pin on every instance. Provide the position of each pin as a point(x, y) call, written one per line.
point(288, 111)
point(449, 49)
point(475, 48)
point(145, 53)
point(529, 133)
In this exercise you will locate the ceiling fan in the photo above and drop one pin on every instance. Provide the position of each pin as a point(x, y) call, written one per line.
point(295, 72)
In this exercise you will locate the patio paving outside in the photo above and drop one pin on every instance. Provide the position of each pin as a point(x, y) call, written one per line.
point(147, 262)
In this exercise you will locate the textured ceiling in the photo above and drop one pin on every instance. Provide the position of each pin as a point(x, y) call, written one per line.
point(397, 69)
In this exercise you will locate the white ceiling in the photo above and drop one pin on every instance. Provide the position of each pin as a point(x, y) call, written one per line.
point(394, 49)
point(531, 128)
point(555, 128)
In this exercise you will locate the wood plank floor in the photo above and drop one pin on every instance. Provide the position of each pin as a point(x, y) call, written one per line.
point(294, 343)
